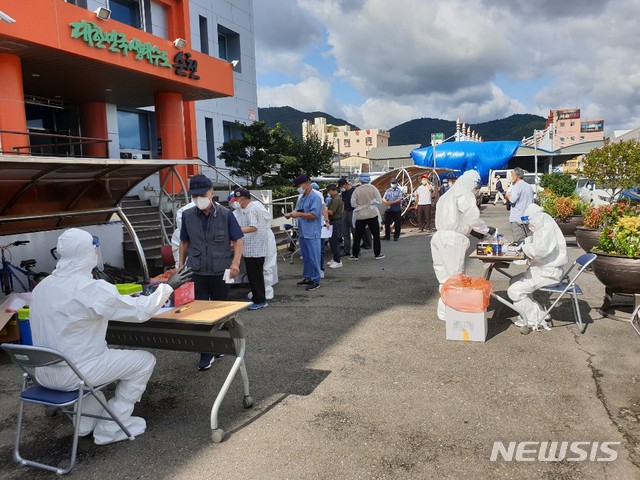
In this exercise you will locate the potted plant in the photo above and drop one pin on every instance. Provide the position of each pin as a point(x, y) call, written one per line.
point(588, 233)
point(567, 211)
point(618, 249)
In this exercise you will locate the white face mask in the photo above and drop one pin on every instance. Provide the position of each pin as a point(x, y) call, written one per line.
point(394, 185)
point(301, 190)
point(202, 202)
point(236, 205)
point(424, 182)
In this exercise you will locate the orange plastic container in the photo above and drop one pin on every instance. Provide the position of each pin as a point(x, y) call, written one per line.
point(466, 294)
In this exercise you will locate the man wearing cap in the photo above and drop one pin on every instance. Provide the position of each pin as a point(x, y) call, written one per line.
point(423, 203)
point(335, 210)
point(365, 201)
point(309, 216)
point(256, 225)
point(210, 243)
point(393, 201)
point(520, 196)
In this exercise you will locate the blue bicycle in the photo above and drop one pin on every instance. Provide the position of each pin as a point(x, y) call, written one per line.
point(9, 273)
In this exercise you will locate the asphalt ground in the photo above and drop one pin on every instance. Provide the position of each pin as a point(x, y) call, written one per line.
point(356, 380)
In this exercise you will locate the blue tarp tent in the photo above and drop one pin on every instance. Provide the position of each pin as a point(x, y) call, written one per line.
point(463, 156)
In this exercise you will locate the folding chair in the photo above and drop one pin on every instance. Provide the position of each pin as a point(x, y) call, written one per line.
point(168, 262)
point(292, 233)
point(635, 320)
point(568, 285)
point(28, 357)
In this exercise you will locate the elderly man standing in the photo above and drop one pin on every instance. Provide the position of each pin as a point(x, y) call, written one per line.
point(457, 216)
point(520, 196)
point(210, 242)
point(255, 224)
point(365, 201)
point(309, 216)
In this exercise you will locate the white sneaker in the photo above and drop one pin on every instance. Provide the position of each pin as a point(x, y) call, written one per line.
point(330, 262)
point(321, 273)
point(335, 265)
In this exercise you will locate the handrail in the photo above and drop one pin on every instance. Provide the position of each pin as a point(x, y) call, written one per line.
point(80, 140)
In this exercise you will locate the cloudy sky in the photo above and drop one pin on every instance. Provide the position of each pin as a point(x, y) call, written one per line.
point(379, 63)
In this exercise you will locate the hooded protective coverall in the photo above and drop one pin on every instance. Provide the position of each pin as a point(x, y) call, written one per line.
point(546, 250)
point(456, 215)
point(69, 312)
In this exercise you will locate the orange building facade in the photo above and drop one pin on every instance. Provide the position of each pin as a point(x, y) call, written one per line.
point(65, 74)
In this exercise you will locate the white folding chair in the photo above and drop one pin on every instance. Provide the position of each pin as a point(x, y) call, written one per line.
point(635, 320)
point(568, 285)
point(28, 358)
point(292, 233)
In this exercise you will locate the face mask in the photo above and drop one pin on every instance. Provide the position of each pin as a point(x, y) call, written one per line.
point(424, 182)
point(202, 202)
point(236, 205)
point(394, 185)
point(301, 190)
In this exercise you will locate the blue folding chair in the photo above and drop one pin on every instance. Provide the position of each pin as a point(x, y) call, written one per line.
point(568, 285)
point(28, 358)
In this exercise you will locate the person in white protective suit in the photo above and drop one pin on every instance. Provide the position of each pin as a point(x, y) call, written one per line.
point(546, 251)
point(457, 216)
point(175, 236)
point(70, 311)
point(270, 268)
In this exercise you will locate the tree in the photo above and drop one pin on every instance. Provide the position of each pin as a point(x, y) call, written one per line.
point(560, 184)
point(256, 152)
point(614, 166)
point(309, 155)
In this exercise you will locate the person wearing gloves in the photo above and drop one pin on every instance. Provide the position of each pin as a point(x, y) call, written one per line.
point(70, 311)
point(457, 217)
point(546, 250)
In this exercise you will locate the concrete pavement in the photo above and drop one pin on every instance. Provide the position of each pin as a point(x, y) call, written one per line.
point(355, 380)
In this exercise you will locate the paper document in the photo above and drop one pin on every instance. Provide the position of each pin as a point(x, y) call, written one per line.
point(227, 276)
point(326, 232)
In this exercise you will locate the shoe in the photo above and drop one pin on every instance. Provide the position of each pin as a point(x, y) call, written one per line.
point(395, 239)
point(330, 262)
point(206, 360)
point(351, 257)
point(321, 273)
point(380, 257)
point(312, 286)
point(304, 281)
point(386, 238)
point(335, 265)
point(258, 306)
point(365, 248)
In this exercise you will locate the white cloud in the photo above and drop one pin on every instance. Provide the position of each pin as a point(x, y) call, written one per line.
point(309, 95)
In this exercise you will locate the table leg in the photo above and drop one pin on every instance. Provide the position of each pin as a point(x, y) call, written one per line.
point(487, 268)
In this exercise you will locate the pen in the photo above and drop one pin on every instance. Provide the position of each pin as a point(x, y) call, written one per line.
point(183, 309)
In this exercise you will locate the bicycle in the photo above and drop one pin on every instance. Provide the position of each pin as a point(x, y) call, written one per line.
point(410, 215)
point(9, 272)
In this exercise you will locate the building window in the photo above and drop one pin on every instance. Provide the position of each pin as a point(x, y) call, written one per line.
point(562, 124)
point(127, 11)
point(78, 3)
point(346, 143)
point(229, 46)
point(581, 137)
point(368, 141)
point(573, 138)
point(204, 35)
point(230, 130)
point(572, 124)
point(562, 139)
point(133, 133)
point(211, 148)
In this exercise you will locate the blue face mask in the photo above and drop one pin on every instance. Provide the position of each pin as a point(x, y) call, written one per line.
point(301, 190)
point(394, 185)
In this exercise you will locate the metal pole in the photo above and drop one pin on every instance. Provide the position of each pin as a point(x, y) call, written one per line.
point(535, 154)
point(433, 146)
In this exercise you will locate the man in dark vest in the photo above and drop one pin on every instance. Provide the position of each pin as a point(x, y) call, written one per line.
point(210, 243)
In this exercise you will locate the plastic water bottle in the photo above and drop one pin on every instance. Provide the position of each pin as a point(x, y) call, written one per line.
point(501, 247)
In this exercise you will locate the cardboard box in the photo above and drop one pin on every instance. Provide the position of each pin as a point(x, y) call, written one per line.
point(466, 327)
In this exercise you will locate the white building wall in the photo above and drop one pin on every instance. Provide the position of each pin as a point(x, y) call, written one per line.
point(236, 16)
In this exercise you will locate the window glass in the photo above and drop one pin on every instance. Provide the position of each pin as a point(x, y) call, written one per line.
point(222, 47)
point(204, 35)
point(133, 129)
point(126, 11)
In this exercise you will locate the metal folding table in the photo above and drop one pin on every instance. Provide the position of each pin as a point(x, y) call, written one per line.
point(201, 326)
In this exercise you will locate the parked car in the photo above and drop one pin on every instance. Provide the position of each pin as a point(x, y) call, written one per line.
point(589, 192)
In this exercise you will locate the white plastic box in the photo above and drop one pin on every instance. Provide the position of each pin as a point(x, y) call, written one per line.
point(466, 327)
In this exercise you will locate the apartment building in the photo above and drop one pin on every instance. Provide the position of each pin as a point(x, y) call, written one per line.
point(346, 142)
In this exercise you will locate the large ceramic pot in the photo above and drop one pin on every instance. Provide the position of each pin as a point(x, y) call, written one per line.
point(568, 226)
point(587, 238)
point(618, 273)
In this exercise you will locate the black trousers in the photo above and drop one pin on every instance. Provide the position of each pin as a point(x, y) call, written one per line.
point(424, 216)
point(255, 275)
point(394, 217)
point(210, 287)
point(374, 227)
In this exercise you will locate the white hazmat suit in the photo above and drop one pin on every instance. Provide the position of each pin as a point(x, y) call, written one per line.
point(175, 236)
point(546, 250)
point(456, 215)
point(70, 312)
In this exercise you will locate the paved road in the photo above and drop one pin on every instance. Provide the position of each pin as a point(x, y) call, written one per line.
point(356, 381)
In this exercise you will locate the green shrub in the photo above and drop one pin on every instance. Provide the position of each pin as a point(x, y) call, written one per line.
point(560, 184)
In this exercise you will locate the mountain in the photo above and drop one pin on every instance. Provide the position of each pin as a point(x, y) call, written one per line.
point(514, 127)
point(291, 119)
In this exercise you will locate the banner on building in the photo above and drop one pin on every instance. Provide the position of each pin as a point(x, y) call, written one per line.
point(592, 126)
